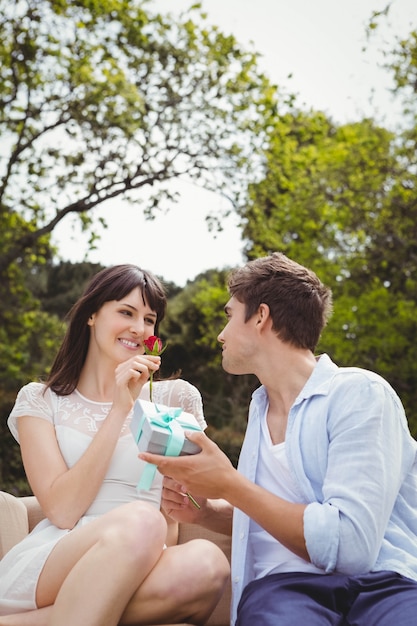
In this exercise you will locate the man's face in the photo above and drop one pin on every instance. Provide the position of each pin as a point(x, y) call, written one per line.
point(238, 339)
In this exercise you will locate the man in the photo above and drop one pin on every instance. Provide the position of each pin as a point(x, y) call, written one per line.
point(325, 494)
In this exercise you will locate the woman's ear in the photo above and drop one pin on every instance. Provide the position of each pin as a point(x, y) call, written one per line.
point(91, 320)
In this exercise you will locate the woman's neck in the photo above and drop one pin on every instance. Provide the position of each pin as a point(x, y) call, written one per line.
point(96, 383)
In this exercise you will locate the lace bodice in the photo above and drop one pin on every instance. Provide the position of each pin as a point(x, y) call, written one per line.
point(86, 416)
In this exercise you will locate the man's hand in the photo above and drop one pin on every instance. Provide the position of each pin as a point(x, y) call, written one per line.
point(208, 474)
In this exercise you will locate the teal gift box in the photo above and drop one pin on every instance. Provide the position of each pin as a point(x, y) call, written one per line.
point(160, 429)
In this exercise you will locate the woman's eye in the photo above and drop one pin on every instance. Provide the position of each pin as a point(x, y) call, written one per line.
point(126, 312)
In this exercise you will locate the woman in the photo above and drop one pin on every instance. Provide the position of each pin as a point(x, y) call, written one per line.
point(100, 557)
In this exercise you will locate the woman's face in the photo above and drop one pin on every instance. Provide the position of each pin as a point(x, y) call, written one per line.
point(120, 327)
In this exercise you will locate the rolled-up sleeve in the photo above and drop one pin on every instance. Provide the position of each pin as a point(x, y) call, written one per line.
point(365, 465)
point(321, 531)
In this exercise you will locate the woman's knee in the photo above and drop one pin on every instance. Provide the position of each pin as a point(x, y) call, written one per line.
point(206, 572)
point(188, 581)
point(215, 561)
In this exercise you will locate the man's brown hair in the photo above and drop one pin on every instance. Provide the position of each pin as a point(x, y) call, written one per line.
point(299, 303)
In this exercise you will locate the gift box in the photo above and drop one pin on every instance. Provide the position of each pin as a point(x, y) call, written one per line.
point(160, 429)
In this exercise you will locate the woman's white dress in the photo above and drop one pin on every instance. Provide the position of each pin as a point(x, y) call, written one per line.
point(76, 420)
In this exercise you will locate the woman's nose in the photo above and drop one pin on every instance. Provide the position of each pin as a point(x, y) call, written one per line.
point(137, 326)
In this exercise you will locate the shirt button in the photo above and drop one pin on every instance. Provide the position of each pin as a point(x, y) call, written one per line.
point(242, 536)
point(236, 579)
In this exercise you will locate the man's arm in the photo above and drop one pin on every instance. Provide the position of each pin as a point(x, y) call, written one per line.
point(211, 475)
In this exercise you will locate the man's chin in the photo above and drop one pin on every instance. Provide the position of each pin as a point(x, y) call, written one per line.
point(231, 370)
point(227, 368)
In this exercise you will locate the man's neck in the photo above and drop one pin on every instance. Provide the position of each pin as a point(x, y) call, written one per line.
point(283, 381)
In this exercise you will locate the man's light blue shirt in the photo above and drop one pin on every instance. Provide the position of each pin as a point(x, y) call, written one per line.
point(355, 462)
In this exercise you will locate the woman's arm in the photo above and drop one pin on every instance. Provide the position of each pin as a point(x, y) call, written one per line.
point(65, 493)
point(213, 514)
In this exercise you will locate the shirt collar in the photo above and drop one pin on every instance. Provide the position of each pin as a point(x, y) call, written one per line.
point(320, 379)
point(317, 384)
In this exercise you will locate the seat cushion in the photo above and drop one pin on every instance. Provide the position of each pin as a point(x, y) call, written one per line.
point(13, 521)
point(34, 511)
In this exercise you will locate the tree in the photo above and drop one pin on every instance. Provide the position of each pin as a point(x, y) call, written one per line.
point(58, 286)
point(342, 199)
point(319, 197)
point(102, 100)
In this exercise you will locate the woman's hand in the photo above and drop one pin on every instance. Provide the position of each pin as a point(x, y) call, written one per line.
point(177, 504)
point(131, 375)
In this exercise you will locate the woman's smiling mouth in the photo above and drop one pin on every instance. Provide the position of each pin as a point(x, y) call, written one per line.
point(129, 344)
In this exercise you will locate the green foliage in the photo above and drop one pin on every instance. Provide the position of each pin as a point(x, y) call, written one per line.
point(59, 286)
point(402, 62)
point(29, 339)
point(12, 476)
point(228, 439)
point(194, 319)
point(376, 330)
point(323, 185)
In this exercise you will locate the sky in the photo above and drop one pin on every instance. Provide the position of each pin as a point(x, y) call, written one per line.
point(314, 48)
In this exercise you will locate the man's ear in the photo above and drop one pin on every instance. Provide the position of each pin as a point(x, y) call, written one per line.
point(263, 315)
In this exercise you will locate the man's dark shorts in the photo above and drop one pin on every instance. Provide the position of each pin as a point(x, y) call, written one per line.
point(375, 599)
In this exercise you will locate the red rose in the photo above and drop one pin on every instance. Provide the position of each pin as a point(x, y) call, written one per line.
point(153, 345)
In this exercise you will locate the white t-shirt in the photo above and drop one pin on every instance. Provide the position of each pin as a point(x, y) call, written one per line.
point(273, 474)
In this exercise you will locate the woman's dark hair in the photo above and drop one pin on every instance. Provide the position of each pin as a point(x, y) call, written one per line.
point(112, 283)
